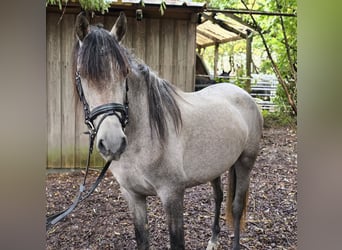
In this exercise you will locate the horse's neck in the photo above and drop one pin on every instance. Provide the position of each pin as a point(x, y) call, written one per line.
point(147, 92)
point(138, 109)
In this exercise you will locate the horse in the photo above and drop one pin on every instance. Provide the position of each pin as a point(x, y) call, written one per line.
point(224, 73)
point(173, 140)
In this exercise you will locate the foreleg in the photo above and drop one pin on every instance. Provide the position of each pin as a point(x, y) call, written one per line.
point(137, 205)
point(173, 206)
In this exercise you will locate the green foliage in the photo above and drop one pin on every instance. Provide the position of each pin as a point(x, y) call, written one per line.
point(281, 101)
point(91, 5)
point(235, 50)
point(285, 57)
point(162, 7)
point(278, 119)
point(273, 33)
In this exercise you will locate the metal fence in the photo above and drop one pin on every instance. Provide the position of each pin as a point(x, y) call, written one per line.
point(263, 87)
point(264, 91)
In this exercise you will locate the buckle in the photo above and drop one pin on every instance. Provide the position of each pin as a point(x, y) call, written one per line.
point(90, 125)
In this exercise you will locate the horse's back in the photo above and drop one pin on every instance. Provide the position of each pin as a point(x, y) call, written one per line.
point(235, 97)
point(244, 104)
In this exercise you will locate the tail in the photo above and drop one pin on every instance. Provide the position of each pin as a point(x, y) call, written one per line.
point(231, 188)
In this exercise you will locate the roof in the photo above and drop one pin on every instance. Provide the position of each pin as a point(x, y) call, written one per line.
point(149, 5)
point(184, 3)
point(216, 28)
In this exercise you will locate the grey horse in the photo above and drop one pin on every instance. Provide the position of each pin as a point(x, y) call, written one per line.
point(174, 140)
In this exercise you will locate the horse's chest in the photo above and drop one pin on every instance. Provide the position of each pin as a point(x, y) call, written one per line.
point(133, 180)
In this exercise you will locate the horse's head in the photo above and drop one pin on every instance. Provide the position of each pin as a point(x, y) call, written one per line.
point(102, 68)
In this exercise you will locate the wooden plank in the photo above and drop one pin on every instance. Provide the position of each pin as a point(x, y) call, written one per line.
point(180, 53)
point(139, 38)
point(166, 49)
point(128, 39)
point(109, 22)
point(97, 19)
point(152, 43)
point(53, 90)
point(81, 140)
point(216, 59)
point(68, 96)
point(191, 55)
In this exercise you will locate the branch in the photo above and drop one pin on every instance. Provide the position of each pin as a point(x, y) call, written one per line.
point(294, 75)
point(61, 17)
point(274, 65)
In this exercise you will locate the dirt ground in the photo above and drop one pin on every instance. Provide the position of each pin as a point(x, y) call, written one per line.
point(103, 221)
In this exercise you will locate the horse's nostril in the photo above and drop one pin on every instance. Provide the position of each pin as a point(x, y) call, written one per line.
point(123, 145)
point(101, 146)
point(111, 149)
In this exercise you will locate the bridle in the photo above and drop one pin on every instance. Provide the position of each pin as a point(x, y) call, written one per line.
point(117, 109)
point(109, 109)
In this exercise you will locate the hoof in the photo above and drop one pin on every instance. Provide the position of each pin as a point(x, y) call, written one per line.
point(213, 245)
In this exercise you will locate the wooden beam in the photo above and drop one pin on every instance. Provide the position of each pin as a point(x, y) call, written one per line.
point(251, 12)
point(149, 10)
point(225, 26)
point(240, 20)
point(216, 59)
point(248, 59)
point(208, 36)
point(231, 39)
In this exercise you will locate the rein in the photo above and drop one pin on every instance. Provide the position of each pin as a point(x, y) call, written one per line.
point(121, 112)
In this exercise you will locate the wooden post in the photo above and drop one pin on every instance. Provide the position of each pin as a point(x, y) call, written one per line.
point(249, 40)
point(216, 59)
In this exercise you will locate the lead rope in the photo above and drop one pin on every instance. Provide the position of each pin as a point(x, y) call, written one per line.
point(53, 219)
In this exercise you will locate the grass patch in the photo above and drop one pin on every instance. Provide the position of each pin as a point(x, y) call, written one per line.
point(278, 119)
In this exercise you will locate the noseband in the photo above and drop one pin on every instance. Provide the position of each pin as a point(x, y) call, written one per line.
point(121, 112)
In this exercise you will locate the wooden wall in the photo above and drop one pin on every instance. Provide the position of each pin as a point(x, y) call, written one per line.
point(167, 45)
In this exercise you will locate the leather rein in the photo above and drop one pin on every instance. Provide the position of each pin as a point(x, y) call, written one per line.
point(121, 112)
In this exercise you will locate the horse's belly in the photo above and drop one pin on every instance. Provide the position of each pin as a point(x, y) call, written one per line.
point(206, 162)
point(213, 144)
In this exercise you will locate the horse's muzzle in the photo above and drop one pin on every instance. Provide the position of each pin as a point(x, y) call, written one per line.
point(111, 151)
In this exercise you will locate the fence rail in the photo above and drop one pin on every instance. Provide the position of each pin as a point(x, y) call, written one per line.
point(262, 90)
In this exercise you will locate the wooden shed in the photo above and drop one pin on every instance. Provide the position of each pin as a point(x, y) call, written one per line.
point(167, 43)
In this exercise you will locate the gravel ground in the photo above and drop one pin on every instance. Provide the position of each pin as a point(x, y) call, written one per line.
point(103, 220)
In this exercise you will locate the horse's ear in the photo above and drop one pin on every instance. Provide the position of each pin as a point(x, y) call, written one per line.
point(120, 27)
point(81, 26)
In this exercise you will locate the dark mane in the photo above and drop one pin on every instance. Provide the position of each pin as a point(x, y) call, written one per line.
point(161, 102)
point(99, 50)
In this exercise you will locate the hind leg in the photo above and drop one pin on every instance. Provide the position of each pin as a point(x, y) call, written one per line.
point(242, 169)
point(218, 196)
